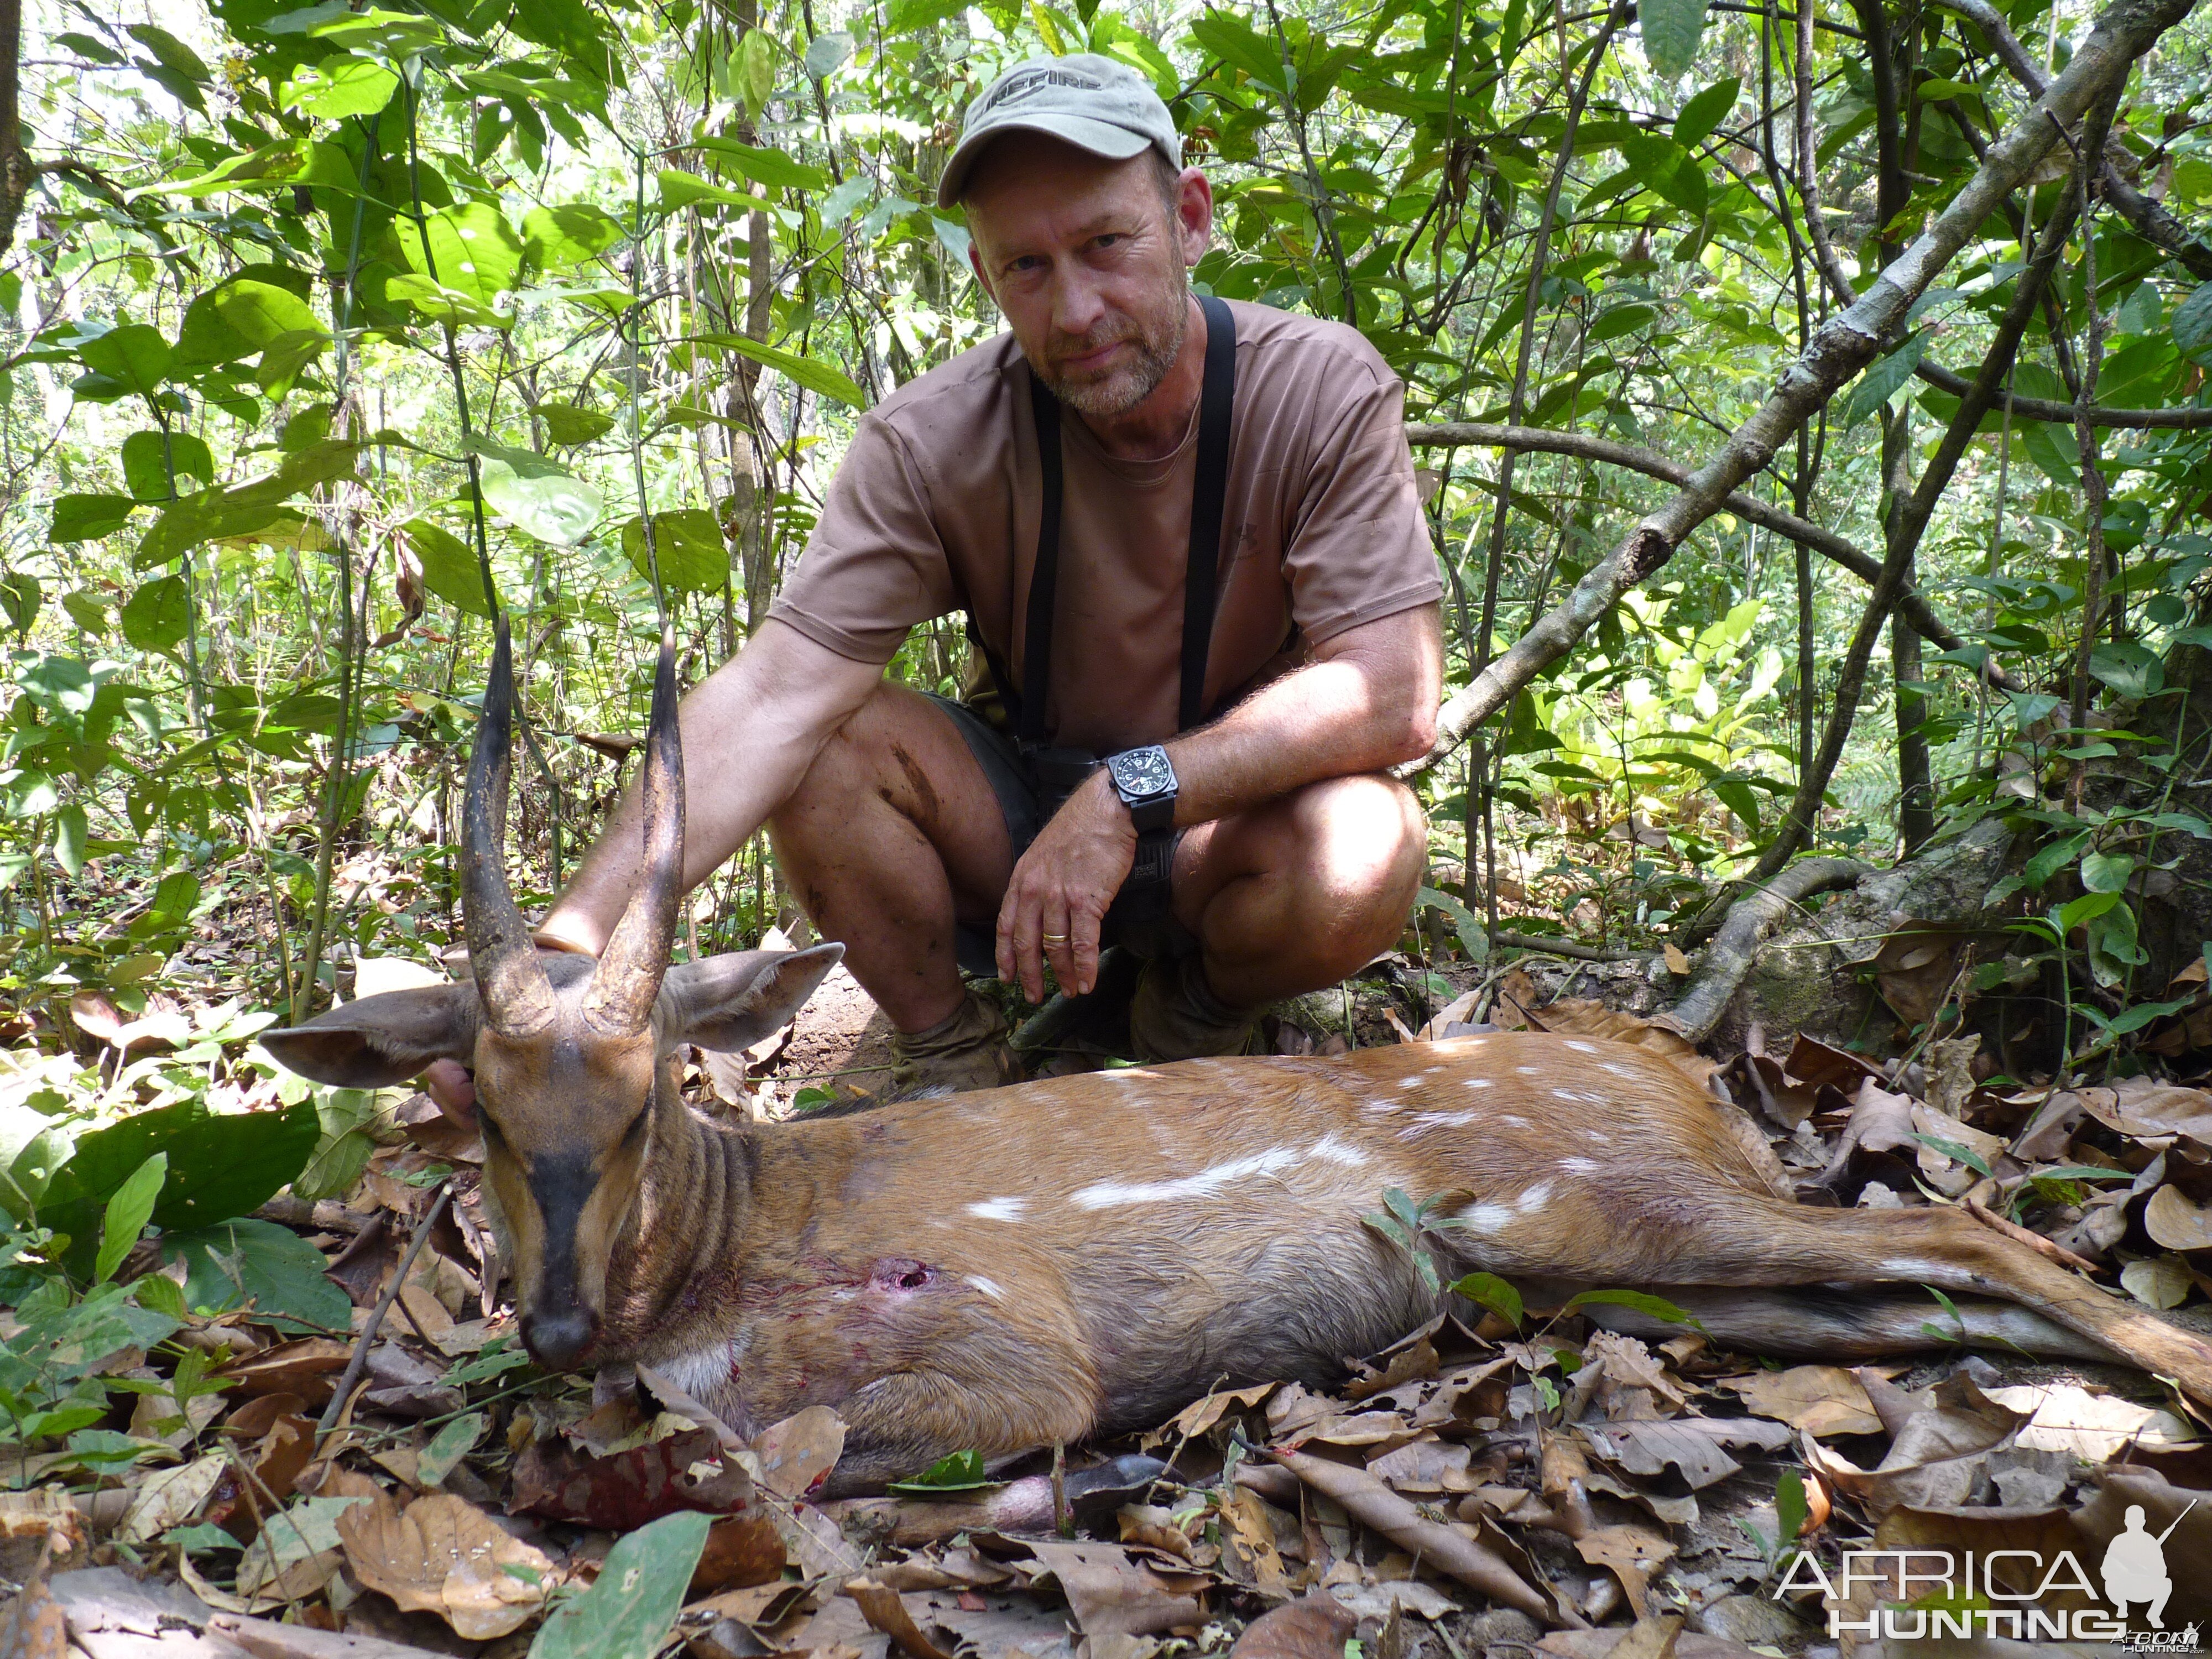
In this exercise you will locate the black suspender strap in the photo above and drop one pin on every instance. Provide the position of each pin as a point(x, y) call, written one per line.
point(1044, 575)
point(1208, 493)
point(1201, 576)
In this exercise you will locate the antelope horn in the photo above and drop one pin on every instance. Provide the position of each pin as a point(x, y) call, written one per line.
point(517, 998)
point(628, 977)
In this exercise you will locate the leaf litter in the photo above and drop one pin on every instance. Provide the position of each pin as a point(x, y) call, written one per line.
point(1486, 1486)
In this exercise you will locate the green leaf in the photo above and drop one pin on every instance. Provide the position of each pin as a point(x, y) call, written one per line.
point(684, 190)
point(557, 238)
point(339, 86)
point(688, 545)
point(554, 507)
point(135, 354)
point(631, 1606)
point(467, 249)
point(2192, 325)
point(1671, 30)
point(1706, 111)
point(1665, 167)
point(247, 1260)
point(71, 831)
point(568, 425)
point(1472, 938)
point(449, 566)
point(816, 377)
point(219, 1166)
point(828, 53)
point(2133, 670)
point(764, 166)
point(1790, 1509)
point(170, 53)
point(441, 304)
point(2106, 872)
point(158, 614)
point(1883, 379)
point(2085, 910)
point(128, 1211)
point(262, 313)
point(960, 1471)
point(87, 518)
point(448, 1446)
point(148, 458)
point(1622, 319)
point(1955, 1152)
point(1489, 1291)
point(1656, 1307)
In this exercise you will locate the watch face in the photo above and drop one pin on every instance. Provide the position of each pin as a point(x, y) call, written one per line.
point(1144, 771)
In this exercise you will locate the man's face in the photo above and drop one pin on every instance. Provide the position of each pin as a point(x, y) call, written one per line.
point(1087, 261)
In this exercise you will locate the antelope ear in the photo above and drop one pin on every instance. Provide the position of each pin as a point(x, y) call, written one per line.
point(730, 1002)
point(381, 1040)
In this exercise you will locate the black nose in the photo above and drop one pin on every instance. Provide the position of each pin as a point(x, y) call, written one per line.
point(557, 1339)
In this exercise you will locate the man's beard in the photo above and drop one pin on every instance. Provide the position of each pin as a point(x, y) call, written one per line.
point(1158, 342)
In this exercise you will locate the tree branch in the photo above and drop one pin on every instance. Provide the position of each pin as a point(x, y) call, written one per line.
point(2042, 409)
point(2150, 219)
point(1912, 604)
point(1844, 345)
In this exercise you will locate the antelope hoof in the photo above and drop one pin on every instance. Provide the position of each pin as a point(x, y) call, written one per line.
point(557, 1340)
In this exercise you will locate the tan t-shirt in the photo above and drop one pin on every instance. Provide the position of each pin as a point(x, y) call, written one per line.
point(935, 511)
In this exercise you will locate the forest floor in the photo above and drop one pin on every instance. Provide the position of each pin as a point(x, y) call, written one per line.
point(1666, 1493)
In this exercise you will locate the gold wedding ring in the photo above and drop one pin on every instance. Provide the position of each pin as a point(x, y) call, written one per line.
point(1054, 939)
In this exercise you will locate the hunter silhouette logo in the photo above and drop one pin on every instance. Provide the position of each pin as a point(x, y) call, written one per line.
point(1934, 1593)
point(2135, 1568)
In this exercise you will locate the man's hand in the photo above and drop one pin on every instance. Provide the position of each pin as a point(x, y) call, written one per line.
point(454, 1087)
point(1058, 897)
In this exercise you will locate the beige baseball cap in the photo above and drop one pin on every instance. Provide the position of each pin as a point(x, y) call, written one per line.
point(1095, 103)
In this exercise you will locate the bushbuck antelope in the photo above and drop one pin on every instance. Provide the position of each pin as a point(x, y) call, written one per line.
point(1009, 1269)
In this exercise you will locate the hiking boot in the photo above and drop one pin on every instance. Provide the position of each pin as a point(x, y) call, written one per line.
point(1175, 1016)
point(967, 1049)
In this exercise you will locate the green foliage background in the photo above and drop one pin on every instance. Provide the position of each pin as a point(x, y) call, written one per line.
point(317, 320)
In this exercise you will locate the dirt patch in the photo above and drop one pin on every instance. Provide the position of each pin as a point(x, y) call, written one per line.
point(840, 1040)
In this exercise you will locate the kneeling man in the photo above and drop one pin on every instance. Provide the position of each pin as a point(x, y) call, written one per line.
point(1187, 539)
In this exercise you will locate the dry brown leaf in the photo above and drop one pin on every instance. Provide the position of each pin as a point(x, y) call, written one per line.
point(686, 1471)
point(309, 1368)
point(1692, 1444)
point(2160, 1282)
point(1426, 1465)
point(446, 1556)
point(1822, 1400)
point(1676, 962)
point(797, 1454)
point(881, 1607)
point(1314, 1626)
point(2166, 1512)
point(34, 1627)
point(2174, 1222)
point(1109, 1594)
point(1632, 1554)
point(1934, 1460)
point(2062, 1417)
point(170, 1498)
point(1195, 1419)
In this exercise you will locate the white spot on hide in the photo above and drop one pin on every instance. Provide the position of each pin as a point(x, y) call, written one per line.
point(1535, 1197)
point(1486, 1218)
point(998, 1209)
point(1479, 1082)
point(986, 1287)
point(1204, 1184)
point(1332, 1149)
point(1517, 1122)
point(1578, 1166)
point(1528, 1071)
point(1580, 1048)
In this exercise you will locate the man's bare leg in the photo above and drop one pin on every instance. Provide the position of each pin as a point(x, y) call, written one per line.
point(1295, 895)
point(892, 835)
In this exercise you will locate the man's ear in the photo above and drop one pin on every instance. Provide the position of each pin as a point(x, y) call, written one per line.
point(730, 1002)
point(381, 1040)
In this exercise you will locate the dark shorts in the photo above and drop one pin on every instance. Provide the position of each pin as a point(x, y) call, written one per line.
point(1139, 921)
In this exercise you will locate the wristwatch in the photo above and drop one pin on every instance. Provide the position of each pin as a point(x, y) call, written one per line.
point(1145, 779)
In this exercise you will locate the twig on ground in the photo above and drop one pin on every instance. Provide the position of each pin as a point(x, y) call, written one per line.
point(367, 1338)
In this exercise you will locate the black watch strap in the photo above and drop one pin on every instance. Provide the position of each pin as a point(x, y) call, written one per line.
point(1155, 859)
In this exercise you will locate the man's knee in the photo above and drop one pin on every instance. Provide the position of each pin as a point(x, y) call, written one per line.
point(1369, 841)
point(861, 756)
